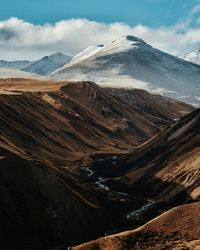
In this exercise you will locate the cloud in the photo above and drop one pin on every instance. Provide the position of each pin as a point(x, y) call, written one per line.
point(23, 40)
point(196, 9)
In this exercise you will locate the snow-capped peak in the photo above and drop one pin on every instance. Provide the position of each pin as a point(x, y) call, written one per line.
point(193, 56)
point(58, 56)
point(130, 62)
point(122, 44)
point(88, 52)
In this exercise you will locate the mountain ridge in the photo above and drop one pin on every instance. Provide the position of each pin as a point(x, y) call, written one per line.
point(130, 62)
point(192, 56)
point(43, 66)
point(47, 64)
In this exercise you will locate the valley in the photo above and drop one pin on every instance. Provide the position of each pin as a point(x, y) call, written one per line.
point(100, 125)
point(71, 157)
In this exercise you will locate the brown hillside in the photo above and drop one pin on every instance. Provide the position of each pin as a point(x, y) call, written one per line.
point(49, 131)
point(167, 165)
point(174, 230)
point(152, 104)
point(75, 119)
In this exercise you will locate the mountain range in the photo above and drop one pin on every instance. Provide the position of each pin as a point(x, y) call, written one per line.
point(132, 63)
point(19, 64)
point(43, 66)
point(47, 64)
point(128, 62)
point(56, 141)
point(106, 165)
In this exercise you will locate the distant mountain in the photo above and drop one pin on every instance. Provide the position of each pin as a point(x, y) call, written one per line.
point(43, 66)
point(20, 64)
point(130, 62)
point(193, 56)
point(47, 64)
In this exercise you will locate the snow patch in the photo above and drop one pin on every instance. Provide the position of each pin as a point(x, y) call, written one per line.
point(193, 56)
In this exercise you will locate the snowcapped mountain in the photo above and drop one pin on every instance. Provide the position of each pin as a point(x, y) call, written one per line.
point(43, 66)
point(13, 73)
point(132, 63)
point(193, 56)
point(47, 64)
point(88, 52)
point(20, 64)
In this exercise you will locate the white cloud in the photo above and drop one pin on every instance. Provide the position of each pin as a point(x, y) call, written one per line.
point(20, 39)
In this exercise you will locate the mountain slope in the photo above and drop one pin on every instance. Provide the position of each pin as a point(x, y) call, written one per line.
point(47, 64)
point(167, 165)
point(49, 133)
point(193, 56)
point(152, 104)
point(130, 62)
point(20, 64)
point(43, 66)
point(176, 229)
point(43, 206)
point(90, 117)
point(164, 171)
point(89, 120)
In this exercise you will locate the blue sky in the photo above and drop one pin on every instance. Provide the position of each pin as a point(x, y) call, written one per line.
point(153, 13)
point(30, 29)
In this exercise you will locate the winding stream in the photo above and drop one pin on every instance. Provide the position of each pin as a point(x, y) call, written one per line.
point(135, 214)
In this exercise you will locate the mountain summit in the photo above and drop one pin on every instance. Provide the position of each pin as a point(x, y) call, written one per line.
point(133, 38)
point(130, 62)
point(47, 64)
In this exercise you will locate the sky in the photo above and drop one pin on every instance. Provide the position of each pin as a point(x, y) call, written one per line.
point(147, 12)
point(30, 29)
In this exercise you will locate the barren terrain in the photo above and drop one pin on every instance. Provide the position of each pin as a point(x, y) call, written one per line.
point(59, 140)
